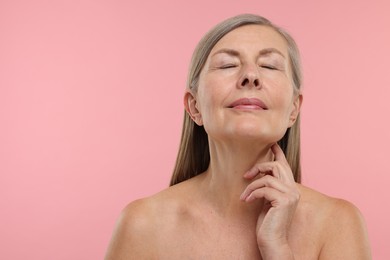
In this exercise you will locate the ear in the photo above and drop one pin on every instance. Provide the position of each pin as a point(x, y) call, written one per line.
point(191, 106)
point(295, 109)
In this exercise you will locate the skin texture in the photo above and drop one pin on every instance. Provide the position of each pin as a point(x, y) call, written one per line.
point(246, 205)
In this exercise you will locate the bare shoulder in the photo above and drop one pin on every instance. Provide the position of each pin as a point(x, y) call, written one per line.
point(139, 229)
point(315, 200)
point(343, 229)
point(131, 231)
point(334, 211)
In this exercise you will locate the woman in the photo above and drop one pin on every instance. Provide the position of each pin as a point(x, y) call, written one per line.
point(235, 191)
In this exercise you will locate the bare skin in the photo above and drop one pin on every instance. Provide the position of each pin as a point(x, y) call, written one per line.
point(182, 223)
point(246, 205)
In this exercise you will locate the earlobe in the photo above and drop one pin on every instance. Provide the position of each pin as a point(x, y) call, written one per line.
point(190, 104)
point(296, 109)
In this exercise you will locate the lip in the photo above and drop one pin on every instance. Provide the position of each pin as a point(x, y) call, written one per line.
point(248, 103)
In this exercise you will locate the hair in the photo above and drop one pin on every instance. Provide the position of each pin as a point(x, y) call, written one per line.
point(194, 156)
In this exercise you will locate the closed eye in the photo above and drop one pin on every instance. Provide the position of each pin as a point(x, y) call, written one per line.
point(228, 66)
point(269, 67)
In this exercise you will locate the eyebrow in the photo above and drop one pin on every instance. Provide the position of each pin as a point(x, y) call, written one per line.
point(263, 52)
point(227, 51)
point(269, 51)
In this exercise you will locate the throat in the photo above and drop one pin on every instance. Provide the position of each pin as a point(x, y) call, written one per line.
point(223, 182)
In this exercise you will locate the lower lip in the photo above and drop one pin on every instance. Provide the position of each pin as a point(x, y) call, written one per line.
point(248, 107)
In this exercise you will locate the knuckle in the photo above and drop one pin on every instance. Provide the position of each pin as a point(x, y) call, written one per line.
point(285, 201)
point(298, 195)
point(268, 179)
point(294, 197)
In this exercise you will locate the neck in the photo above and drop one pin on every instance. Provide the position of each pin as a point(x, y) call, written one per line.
point(224, 181)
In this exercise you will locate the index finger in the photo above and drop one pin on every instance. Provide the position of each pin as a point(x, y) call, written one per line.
point(279, 154)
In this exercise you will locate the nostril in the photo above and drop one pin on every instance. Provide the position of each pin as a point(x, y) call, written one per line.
point(256, 82)
point(246, 81)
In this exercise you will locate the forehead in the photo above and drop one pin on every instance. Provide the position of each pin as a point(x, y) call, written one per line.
point(252, 37)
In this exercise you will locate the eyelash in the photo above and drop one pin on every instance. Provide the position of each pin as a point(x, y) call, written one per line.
point(268, 67)
point(228, 66)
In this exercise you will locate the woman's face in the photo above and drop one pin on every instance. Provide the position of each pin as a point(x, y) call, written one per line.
point(245, 88)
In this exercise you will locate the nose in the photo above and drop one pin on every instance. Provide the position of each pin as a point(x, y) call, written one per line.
point(249, 78)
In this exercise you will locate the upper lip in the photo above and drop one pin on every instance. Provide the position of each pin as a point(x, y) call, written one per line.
point(248, 101)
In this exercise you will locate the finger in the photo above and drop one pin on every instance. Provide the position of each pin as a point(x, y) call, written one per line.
point(270, 194)
point(263, 169)
point(266, 181)
point(286, 173)
point(279, 154)
point(274, 197)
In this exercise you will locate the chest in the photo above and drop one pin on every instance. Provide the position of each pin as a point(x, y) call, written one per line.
point(215, 239)
point(208, 240)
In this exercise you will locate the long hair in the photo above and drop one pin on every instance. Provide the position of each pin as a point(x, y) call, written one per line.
point(194, 156)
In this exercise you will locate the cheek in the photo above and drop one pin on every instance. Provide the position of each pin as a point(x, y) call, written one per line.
point(281, 95)
point(212, 93)
point(205, 102)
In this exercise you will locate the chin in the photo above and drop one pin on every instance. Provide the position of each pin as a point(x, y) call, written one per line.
point(251, 132)
point(254, 133)
point(248, 131)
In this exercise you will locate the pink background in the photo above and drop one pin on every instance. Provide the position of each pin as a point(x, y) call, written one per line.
point(91, 110)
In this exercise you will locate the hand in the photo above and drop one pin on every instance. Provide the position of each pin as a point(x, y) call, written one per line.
point(276, 186)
